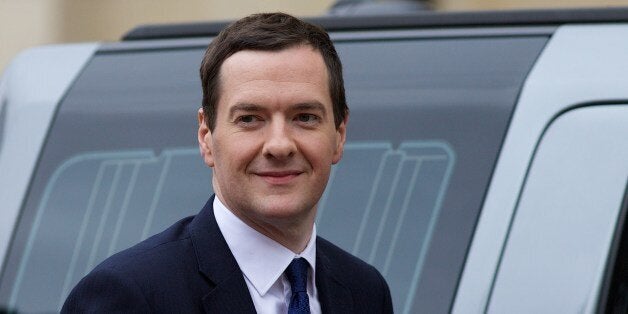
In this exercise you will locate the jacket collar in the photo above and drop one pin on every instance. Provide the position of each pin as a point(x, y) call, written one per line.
point(333, 295)
point(215, 261)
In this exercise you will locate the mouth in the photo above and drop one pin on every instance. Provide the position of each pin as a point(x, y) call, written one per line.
point(278, 177)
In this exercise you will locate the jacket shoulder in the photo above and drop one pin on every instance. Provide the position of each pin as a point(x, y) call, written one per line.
point(344, 261)
point(368, 287)
point(154, 251)
point(152, 274)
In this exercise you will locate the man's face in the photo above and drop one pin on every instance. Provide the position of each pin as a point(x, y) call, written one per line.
point(274, 140)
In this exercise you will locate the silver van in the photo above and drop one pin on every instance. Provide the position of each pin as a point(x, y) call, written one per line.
point(486, 169)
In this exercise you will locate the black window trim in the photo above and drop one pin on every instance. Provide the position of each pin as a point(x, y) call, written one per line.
point(424, 20)
point(619, 243)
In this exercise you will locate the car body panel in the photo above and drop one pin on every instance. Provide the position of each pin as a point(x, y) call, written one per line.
point(31, 88)
point(555, 257)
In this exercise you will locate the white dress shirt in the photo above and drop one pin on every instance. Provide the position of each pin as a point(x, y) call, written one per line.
point(263, 261)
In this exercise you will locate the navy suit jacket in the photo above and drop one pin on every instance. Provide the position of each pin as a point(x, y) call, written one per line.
point(188, 268)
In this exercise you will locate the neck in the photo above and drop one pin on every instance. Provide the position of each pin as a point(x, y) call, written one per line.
point(293, 233)
point(294, 236)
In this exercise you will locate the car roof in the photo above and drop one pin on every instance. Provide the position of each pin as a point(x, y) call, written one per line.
point(422, 19)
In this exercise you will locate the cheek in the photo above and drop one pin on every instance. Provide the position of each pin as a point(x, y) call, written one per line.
point(234, 152)
point(320, 151)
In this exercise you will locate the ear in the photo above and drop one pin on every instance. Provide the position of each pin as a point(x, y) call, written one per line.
point(205, 139)
point(341, 137)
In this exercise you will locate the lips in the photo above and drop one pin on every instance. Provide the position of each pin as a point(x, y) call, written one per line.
point(278, 177)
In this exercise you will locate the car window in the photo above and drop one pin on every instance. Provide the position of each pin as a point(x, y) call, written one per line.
point(120, 163)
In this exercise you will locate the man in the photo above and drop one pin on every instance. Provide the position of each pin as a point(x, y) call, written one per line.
point(273, 121)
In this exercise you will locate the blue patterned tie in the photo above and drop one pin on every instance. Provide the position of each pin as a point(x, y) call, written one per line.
point(297, 276)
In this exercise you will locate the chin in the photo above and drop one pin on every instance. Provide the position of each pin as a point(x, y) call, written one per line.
point(277, 208)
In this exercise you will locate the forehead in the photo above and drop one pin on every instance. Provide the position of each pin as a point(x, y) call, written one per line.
point(300, 65)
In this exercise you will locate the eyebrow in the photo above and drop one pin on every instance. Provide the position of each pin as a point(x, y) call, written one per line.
point(244, 107)
point(249, 107)
point(310, 106)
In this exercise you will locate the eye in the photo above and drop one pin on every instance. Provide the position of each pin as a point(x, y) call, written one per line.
point(247, 120)
point(307, 118)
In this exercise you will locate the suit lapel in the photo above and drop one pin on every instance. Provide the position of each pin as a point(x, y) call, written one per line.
point(333, 295)
point(229, 293)
point(230, 296)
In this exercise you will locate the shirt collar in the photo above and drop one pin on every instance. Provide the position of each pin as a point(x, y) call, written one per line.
point(261, 259)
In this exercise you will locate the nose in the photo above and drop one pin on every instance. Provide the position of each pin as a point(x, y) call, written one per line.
point(279, 143)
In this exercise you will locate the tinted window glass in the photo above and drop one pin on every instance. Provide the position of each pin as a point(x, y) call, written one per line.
point(121, 163)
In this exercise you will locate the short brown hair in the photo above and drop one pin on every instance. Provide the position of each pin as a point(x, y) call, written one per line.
point(269, 32)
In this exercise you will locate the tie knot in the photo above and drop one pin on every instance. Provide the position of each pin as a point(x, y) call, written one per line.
point(297, 274)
